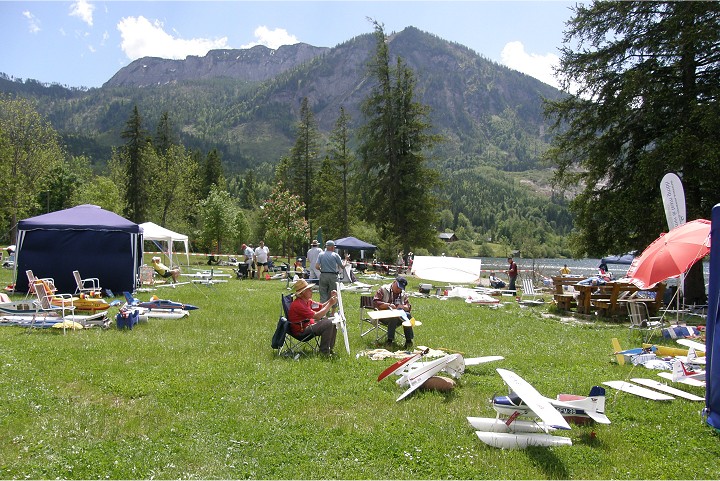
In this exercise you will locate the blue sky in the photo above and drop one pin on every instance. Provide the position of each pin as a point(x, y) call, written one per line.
point(84, 43)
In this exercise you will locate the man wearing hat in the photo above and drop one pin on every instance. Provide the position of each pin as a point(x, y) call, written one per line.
point(312, 256)
point(307, 317)
point(329, 264)
point(393, 296)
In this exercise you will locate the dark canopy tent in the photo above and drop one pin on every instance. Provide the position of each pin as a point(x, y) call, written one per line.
point(95, 242)
point(353, 244)
point(712, 323)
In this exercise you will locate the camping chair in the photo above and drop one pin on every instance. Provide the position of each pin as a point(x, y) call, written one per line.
point(48, 281)
point(51, 302)
point(374, 326)
point(291, 345)
point(147, 275)
point(640, 319)
point(528, 290)
point(89, 286)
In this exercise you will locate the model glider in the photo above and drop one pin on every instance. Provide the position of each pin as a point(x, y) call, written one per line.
point(524, 399)
point(340, 320)
point(684, 374)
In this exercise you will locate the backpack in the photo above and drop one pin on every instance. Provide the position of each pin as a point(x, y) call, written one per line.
point(278, 338)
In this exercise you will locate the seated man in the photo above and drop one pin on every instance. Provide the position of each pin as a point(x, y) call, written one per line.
point(308, 317)
point(496, 282)
point(164, 271)
point(393, 296)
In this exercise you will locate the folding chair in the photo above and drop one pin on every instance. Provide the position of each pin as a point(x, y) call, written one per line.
point(528, 290)
point(48, 281)
point(53, 302)
point(640, 319)
point(147, 275)
point(89, 286)
point(369, 325)
point(292, 346)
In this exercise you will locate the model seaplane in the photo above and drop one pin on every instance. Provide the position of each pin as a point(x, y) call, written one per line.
point(414, 373)
point(524, 399)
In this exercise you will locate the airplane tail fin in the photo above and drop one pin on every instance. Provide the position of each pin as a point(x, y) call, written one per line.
point(597, 411)
point(679, 371)
point(128, 297)
point(616, 345)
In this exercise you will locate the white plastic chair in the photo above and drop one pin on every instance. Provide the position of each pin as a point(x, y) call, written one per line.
point(89, 286)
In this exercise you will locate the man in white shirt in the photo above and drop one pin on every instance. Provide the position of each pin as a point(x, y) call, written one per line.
point(312, 257)
point(261, 259)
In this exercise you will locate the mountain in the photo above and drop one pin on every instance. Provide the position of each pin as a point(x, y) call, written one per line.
point(246, 102)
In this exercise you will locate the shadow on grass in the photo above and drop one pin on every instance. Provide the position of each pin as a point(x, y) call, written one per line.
point(547, 461)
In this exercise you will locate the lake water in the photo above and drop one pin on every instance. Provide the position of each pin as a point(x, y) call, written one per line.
point(551, 267)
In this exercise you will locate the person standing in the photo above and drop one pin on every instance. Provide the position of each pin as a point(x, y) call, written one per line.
point(312, 256)
point(565, 271)
point(512, 273)
point(261, 258)
point(329, 264)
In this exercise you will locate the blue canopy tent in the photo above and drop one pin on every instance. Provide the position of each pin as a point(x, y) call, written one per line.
point(86, 238)
point(712, 341)
point(353, 244)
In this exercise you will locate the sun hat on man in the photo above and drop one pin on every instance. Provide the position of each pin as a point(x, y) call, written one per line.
point(300, 286)
point(314, 242)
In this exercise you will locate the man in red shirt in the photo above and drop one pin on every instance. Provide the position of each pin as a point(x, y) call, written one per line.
point(512, 273)
point(308, 317)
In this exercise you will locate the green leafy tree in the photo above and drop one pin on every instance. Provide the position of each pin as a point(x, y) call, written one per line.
point(29, 151)
point(101, 191)
point(393, 141)
point(218, 216)
point(282, 216)
point(342, 159)
point(647, 77)
point(176, 176)
point(249, 190)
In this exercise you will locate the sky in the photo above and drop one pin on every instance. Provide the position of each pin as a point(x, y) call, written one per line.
point(84, 43)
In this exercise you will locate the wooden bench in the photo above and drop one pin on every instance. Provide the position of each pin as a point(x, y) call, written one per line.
point(565, 300)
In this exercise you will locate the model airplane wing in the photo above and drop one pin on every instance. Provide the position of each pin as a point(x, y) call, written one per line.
point(535, 401)
point(698, 346)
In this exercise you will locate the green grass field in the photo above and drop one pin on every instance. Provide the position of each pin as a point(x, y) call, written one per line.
point(206, 397)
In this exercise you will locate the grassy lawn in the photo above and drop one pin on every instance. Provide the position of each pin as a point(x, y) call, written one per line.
point(206, 397)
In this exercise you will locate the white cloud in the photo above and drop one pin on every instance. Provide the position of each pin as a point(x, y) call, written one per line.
point(83, 10)
point(539, 66)
point(33, 22)
point(140, 38)
point(272, 38)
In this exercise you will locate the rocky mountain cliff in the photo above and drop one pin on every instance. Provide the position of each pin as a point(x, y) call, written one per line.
point(255, 64)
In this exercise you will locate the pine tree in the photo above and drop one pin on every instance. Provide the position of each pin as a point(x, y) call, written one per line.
point(304, 158)
point(393, 141)
point(137, 192)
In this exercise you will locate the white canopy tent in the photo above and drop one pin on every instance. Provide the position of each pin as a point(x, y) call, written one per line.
point(154, 232)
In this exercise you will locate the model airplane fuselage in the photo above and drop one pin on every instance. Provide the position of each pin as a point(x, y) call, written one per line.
point(591, 407)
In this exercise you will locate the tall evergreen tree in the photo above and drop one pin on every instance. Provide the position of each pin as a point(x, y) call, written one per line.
point(342, 160)
point(304, 157)
point(393, 141)
point(647, 77)
point(137, 192)
point(212, 172)
point(164, 134)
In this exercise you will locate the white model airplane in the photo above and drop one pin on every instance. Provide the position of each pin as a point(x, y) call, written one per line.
point(526, 400)
point(208, 277)
point(685, 375)
point(413, 372)
point(340, 320)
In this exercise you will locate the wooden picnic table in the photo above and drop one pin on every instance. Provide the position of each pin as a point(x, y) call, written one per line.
point(605, 299)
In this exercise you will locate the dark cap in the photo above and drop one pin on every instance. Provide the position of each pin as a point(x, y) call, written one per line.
point(401, 282)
